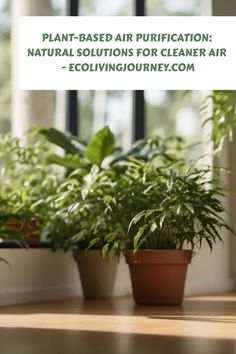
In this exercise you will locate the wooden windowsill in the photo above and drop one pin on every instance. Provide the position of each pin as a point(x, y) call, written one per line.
point(14, 244)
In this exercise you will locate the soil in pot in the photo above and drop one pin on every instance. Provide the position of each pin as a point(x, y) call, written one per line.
point(97, 275)
point(158, 276)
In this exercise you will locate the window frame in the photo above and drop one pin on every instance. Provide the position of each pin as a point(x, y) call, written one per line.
point(72, 104)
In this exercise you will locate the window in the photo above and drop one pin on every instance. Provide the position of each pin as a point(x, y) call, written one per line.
point(164, 111)
point(174, 112)
point(173, 8)
point(99, 108)
point(105, 8)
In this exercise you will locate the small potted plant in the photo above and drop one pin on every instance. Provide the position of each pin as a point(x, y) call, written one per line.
point(6, 233)
point(26, 180)
point(185, 211)
point(75, 210)
point(77, 221)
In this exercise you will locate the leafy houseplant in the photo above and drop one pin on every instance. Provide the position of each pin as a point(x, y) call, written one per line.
point(76, 212)
point(161, 239)
point(156, 215)
point(25, 180)
point(69, 216)
point(85, 208)
point(88, 219)
point(102, 151)
point(80, 155)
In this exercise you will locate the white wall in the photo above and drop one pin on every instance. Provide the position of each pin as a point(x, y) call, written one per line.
point(210, 272)
point(36, 274)
point(39, 274)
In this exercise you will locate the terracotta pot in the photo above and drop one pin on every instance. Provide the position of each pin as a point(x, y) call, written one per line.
point(97, 275)
point(158, 276)
point(28, 229)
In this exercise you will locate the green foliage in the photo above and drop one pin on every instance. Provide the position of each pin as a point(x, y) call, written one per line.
point(5, 231)
point(222, 117)
point(68, 142)
point(101, 146)
point(71, 162)
point(148, 197)
point(161, 151)
point(134, 204)
point(187, 210)
point(81, 155)
point(26, 181)
point(94, 206)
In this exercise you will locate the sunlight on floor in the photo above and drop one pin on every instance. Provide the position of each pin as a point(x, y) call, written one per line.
point(181, 325)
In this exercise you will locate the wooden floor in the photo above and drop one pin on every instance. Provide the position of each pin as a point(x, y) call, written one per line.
point(202, 325)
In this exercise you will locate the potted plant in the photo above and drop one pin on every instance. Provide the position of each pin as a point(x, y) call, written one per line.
point(184, 211)
point(6, 233)
point(25, 180)
point(70, 211)
point(86, 214)
point(76, 222)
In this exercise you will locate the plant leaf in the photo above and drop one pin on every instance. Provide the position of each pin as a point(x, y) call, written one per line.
point(189, 207)
point(66, 141)
point(68, 161)
point(101, 145)
point(137, 218)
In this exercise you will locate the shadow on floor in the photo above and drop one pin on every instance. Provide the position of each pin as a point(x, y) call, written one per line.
point(197, 318)
point(38, 341)
point(125, 306)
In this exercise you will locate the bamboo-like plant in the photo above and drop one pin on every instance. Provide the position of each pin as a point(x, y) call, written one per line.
point(188, 210)
point(222, 117)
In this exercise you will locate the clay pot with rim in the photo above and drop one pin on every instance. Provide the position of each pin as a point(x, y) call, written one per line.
point(29, 229)
point(97, 274)
point(158, 276)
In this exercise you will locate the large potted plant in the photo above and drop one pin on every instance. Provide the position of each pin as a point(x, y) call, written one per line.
point(185, 211)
